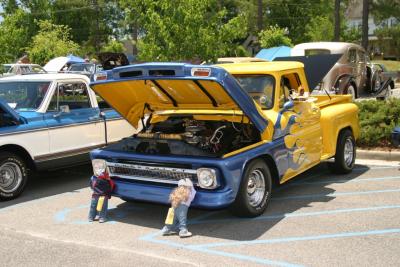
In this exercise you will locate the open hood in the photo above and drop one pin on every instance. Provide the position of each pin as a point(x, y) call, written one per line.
point(6, 109)
point(138, 90)
point(315, 67)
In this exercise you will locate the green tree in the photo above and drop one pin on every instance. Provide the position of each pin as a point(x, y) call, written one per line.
point(14, 36)
point(51, 41)
point(389, 38)
point(113, 46)
point(274, 36)
point(384, 9)
point(188, 30)
point(320, 28)
point(293, 15)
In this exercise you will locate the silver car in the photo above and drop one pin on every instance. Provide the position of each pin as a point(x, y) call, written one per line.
point(352, 74)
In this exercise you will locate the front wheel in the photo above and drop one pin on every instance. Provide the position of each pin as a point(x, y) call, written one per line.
point(255, 190)
point(350, 90)
point(13, 175)
point(345, 153)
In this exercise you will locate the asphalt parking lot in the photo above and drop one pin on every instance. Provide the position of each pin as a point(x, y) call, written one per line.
point(318, 219)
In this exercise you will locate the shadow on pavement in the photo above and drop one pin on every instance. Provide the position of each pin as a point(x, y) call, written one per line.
point(221, 224)
point(50, 183)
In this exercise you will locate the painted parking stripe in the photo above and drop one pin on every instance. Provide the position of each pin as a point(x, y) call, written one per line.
point(38, 200)
point(263, 261)
point(295, 215)
point(350, 180)
point(302, 238)
point(355, 193)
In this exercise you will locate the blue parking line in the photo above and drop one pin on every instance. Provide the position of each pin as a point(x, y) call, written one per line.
point(29, 202)
point(301, 238)
point(151, 238)
point(341, 181)
point(295, 215)
point(355, 193)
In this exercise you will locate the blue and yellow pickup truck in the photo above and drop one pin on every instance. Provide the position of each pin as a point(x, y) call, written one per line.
point(234, 130)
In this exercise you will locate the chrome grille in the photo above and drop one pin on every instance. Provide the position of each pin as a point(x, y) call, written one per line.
point(150, 173)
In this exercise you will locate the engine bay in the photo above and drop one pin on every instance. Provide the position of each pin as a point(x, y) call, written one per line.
point(187, 136)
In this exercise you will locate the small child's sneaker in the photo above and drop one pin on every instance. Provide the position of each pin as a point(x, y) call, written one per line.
point(167, 231)
point(90, 219)
point(184, 233)
point(102, 220)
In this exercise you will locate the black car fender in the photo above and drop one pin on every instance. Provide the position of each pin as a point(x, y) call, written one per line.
point(343, 81)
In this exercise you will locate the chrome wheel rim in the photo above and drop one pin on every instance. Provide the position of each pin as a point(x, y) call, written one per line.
point(10, 177)
point(348, 152)
point(256, 187)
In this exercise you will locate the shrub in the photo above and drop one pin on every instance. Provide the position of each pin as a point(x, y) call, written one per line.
point(377, 120)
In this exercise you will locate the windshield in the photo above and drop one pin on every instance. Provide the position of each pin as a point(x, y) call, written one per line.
point(23, 95)
point(259, 87)
point(82, 67)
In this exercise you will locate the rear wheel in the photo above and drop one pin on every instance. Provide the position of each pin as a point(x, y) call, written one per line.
point(255, 190)
point(345, 153)
point(13, 175)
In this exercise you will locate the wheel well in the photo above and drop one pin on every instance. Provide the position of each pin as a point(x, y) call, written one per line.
point(341, 131)
point(272, 167)
point(20, 151)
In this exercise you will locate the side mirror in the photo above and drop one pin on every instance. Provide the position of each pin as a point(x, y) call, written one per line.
point(287, 106)
point(63, 109)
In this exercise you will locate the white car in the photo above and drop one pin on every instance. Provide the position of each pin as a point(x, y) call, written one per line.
point(50, 121)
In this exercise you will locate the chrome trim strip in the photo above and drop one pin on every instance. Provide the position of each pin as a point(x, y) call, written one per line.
point(135, 178)
point(151, 168)
point(57, 127)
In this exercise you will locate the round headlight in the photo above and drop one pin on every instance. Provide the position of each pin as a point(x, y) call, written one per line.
point(206, 178)
point(99, 166)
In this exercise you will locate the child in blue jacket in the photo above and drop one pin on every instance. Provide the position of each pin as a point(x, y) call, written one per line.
point(102, 187)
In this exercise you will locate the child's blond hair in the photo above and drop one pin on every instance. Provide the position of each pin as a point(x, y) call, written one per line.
point(180, 194)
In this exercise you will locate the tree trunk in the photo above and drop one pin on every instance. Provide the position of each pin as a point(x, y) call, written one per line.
point(259, 15)
point(135, 38)
point(337, 21)
point(365, 15)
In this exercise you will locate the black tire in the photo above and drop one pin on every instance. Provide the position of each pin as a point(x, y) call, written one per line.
point(13, 175)
point(242, 205)
point(343, 164)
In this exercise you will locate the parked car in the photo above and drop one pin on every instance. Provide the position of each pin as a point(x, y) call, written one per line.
point(13, 69)
point(384, 74)
point(110, 60)
point(352, 74)
point(232, 129)
point(50, 121)
point(90, 68)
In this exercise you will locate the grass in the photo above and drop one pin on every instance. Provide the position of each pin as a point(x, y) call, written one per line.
point(391, 65)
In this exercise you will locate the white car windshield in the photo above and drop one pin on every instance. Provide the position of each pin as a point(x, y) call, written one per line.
point(23, 95)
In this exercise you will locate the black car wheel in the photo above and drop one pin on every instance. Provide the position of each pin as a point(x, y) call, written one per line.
point(345, 153)
point(13, 175)
point(255, 190)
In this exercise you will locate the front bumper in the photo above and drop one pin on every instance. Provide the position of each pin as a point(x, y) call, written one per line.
point(208, 199)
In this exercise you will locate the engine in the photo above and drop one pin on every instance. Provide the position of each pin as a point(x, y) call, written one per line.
point(186, 136)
